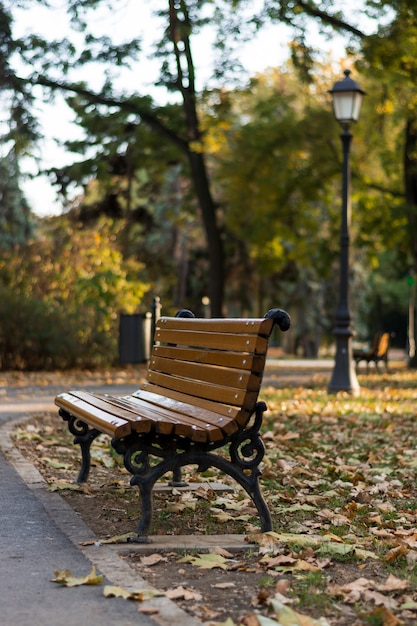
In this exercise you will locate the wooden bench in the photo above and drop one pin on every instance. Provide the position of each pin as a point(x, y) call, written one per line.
point(201, 394)
point(376, 354)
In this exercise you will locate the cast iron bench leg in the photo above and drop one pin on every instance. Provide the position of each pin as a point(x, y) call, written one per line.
point(84, 436)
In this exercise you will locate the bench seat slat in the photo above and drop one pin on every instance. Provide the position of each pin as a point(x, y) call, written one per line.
point(144, 416)
point(94, 400)
point(144, 422)
point(226, 377)
point(110, 424)
point(254, 344)
point(166, 420)
point(250, 362)
point(139, 422)
point(186, 411)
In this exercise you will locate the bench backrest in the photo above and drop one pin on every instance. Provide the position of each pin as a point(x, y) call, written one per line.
point(214, 364)
point(383, 345)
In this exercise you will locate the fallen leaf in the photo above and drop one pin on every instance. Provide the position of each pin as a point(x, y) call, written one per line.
point(251, 620)
point(224, 585)
point(409, 604)
point(379, 599)
point(152, 559)
point(60, 485)
point(183, 593)
point(205, 561)
point(393, 584)
point(282, 586)
point(396, 553)
point(66, 578)
point(385, 617)
point(221, 551)
point(221, 516)
point(281, 559)
point(286, 616)
point(112, 591)
point(206, 493)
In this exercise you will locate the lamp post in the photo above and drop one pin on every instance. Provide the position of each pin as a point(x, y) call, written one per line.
point(347, 100)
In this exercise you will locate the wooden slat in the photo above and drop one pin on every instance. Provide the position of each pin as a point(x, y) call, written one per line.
point(103, 403)
point(226, 377)
point(109, 424)
point(226, 395)
point(252, 344)
point(239, 414)
point(166, 420)
point(238, 326)
point(196, 429)
point(253, 363)
point(198, 415)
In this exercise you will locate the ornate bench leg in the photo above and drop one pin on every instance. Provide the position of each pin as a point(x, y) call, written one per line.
point(177, 480)
point(246, 453)
point(84, 436)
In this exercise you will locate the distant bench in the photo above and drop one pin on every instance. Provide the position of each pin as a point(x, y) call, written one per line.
point(377, 353)
point(201, 393)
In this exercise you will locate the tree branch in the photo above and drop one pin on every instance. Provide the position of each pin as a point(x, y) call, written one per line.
point(125, 105)
point(331, 20)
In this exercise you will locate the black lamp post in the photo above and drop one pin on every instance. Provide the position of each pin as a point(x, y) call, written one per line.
point(347, 100)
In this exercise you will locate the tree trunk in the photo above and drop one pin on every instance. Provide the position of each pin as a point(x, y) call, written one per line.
point(410, 184)
point(185, 83)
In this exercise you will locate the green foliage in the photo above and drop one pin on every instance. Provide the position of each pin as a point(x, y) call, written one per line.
point(68, 288)
point(15, 218)
point(272, 151)
point(273, 199)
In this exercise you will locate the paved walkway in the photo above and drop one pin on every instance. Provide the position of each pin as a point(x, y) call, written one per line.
point(40, 533)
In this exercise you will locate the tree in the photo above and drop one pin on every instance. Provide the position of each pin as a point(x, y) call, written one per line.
point(50, 63)
point(184, 134)
point(16, 222)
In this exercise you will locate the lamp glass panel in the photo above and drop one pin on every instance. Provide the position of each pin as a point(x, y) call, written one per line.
point(347, 105)
point(356, 109)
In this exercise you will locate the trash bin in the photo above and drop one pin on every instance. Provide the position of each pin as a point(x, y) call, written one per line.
point(134, 337)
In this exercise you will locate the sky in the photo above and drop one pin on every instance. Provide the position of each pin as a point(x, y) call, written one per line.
point(131, 19)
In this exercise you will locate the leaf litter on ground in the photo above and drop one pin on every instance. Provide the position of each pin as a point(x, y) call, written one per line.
point(340, 478)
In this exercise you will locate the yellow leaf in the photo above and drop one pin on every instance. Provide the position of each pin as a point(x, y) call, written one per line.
point(60, 485)
point(111, 591)
point(288, 617)
point(409, 604)
point(205, 561)
point(66, 578)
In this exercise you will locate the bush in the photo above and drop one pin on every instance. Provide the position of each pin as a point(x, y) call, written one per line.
point(60, 299)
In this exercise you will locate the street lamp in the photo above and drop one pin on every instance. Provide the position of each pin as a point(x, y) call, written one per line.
point(347, 100)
